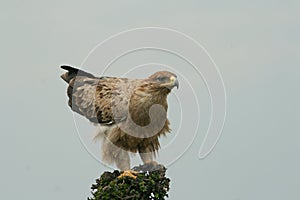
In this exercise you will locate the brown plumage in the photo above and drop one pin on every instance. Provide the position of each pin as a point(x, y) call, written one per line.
point(131, 113)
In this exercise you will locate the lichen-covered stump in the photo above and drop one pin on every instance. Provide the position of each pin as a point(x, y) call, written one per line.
point(150, 184)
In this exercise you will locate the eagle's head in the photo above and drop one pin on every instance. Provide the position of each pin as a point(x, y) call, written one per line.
point(164, 80)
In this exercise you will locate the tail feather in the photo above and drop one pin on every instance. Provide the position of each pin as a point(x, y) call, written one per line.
point(73, 72)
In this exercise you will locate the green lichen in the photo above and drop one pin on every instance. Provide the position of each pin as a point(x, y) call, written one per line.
point(150, 184)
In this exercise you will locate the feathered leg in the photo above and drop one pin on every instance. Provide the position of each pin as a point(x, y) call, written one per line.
point(123, 163)
point(147, 155)
point(116, 155)
point(112, 154)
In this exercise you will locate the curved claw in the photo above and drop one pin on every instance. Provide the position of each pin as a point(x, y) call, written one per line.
point(128, 173)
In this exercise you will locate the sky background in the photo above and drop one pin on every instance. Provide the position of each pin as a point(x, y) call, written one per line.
point(255, 45)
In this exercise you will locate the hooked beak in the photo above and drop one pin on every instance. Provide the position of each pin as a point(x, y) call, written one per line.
point(174, 82)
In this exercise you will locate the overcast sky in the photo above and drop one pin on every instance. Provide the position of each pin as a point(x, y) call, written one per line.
point(255, 45)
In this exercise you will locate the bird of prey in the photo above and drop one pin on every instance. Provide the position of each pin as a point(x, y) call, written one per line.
point(131, 113)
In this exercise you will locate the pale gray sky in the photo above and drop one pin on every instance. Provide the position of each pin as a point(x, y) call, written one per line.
point(255, 45)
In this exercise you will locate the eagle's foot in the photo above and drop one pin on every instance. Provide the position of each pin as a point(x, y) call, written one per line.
point(129, 173)
point(148, 167)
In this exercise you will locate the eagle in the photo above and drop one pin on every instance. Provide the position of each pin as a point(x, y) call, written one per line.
point(131, 113)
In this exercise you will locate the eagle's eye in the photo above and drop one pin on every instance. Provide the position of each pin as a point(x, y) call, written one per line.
point(162, 79)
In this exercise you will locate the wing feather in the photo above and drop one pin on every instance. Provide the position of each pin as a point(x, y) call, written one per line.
point(98, 99)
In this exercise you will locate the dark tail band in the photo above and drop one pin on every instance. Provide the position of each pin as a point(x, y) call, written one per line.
point(73, 72)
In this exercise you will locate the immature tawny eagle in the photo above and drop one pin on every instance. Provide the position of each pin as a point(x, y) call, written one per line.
point(130, 112)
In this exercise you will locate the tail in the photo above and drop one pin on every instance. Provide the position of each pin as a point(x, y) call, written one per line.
point(73, 72)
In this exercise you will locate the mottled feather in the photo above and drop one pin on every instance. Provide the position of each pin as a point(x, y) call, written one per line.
point(123, 106)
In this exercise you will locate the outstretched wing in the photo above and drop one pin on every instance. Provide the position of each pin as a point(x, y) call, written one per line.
point(101, 100)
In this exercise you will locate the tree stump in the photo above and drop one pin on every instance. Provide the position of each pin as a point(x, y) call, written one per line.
point(151, 184)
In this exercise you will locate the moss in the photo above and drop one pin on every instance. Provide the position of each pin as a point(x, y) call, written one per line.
point(150, 184)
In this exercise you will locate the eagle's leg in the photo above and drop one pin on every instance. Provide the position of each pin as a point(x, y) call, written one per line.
point(148, 157)
point(123, 163)
point(114, 154)
point(122, 160)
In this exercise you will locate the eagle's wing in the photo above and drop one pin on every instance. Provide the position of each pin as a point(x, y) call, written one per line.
point(101, 100)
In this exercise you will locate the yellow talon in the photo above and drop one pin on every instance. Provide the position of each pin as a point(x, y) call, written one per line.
point(129, 173)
